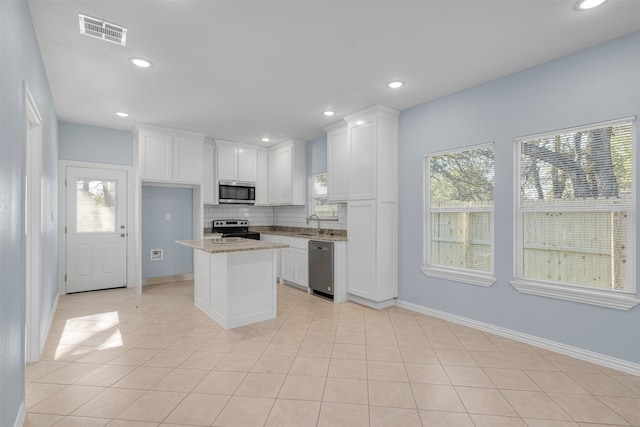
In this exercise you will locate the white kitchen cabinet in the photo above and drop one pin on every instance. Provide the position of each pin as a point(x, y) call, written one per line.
point(287, 264)
point(227, 161)
point(362, 155)
point(187, 159)
point(288, 173)
point(169, 155)
point(274, 238)
point(155, 156)
point(209, 189)
point(295, 261)
point(262, 181)
point(301, 270)
point(340, 271)
point(247, 164)
point(337, 163)
point(372, 206)
point(236, 162)
point(372, 272)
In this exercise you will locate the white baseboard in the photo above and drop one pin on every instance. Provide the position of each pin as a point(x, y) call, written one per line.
point(294, 285)
point(371, 304)
point(22, 414)
point(578, 353)
point(45, 335)
point(167, 279)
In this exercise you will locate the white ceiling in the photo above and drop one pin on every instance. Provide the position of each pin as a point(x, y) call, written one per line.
point(241, 70)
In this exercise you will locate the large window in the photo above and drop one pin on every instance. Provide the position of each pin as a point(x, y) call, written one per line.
point(459, 215)
point(575, 214)
point(318, 203)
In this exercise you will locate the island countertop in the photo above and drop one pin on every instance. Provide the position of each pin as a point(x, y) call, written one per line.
point(230, 244)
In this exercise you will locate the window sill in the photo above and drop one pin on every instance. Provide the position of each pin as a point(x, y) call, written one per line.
point(460, 276)
point(597, 297)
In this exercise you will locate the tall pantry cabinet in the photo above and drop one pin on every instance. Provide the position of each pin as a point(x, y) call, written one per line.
point(372, 219)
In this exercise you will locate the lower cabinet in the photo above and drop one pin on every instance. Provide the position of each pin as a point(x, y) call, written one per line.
point(294, 260)
point(273, 238)
point(293, 263)
point(372, 273)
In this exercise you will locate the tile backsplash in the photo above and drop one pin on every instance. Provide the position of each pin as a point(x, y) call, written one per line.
point(288, 216)
point(256, 215)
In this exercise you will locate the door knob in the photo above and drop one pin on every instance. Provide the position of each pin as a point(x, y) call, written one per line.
point(122, 234)
point(122, 227)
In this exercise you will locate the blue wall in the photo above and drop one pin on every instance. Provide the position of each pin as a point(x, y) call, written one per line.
point(94, 144)
point(158, 233)
point(317, 156)
point(20, 60)
point(593, 85)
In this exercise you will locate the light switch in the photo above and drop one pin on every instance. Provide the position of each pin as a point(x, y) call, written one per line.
point(167, 217)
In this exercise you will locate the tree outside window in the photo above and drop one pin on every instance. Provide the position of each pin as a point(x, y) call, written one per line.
point(459, 214)
point(576, 209)
point(318, 203)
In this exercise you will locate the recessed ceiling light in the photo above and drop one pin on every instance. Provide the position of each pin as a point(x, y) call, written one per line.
point(395, 84)
point(588, 4)
point(122, 114)
point(140, 62)
point(328, 113)
point(265, 139)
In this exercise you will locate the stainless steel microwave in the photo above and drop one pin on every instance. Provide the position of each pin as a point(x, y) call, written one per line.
point(237, 192)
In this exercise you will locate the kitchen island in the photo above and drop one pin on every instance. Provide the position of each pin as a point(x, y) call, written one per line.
point(235, 279)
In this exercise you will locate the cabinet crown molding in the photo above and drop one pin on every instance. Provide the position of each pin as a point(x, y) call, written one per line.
point(239, 144)
point(144, 127)
point(379, 109)
point(287, 143)
point(336, 127)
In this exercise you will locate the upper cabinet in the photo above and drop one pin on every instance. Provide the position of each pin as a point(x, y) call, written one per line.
point(236, 162)
point(262, 183)
point(362, 152)
point(169, 155)
point(287, 166)
point(337, 163)
point(247, 164)
point(209, 189)
point(372, 138)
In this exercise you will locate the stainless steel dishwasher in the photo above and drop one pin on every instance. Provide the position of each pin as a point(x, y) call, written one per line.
point(321, 268)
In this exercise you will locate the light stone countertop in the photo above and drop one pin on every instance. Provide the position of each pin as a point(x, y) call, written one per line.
point(229, 244)
point(304, 233)
point(300, 232)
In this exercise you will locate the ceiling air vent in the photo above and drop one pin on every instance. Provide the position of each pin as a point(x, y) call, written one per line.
point(103, 30)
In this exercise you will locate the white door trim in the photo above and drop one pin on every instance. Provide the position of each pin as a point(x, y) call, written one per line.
point(32, 149)
point(133, 258)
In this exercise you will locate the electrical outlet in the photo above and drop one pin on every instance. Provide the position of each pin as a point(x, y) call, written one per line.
point(156, 254)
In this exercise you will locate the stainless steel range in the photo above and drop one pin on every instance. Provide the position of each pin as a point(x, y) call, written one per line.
point(234, 228)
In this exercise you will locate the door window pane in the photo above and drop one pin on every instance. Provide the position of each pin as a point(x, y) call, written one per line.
point(95, 205)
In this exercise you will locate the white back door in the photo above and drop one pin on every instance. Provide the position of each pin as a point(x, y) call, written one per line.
point(96, 229)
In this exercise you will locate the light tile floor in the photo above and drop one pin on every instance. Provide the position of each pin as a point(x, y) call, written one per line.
point(115, 358)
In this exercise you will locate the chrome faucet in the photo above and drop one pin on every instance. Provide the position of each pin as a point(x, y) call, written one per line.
point(314, 216)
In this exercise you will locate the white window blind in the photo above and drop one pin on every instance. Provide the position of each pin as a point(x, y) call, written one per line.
point(459, 188)
point(575, 213)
